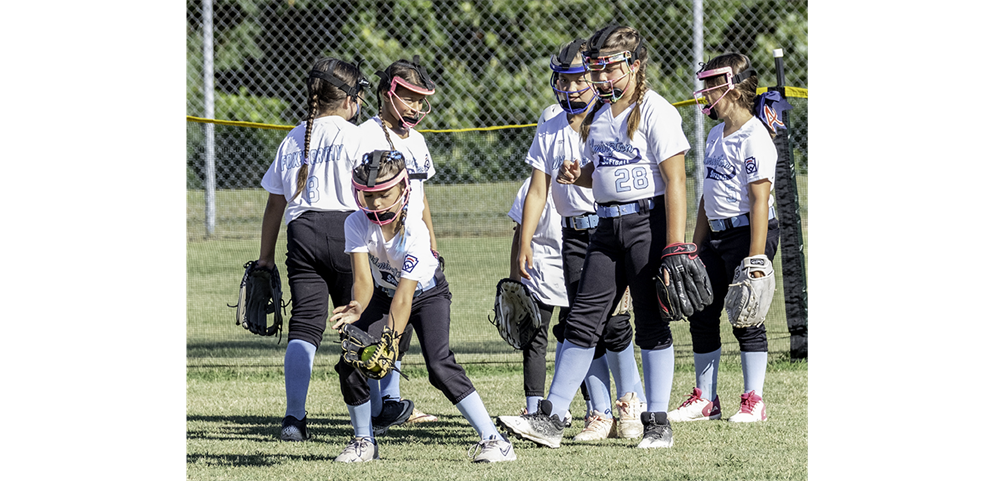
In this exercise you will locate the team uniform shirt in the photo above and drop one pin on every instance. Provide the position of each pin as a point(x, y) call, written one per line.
point(407, 256)
point(732, 163)
point(335, 151)
point(547, 273)
point(548, 113)
point(555, 141)
point(626, 170)
point(416, 157)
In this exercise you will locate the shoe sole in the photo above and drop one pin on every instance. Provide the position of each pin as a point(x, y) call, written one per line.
point(675, 419)
point(630, 429)
point(403, 418)
point(525, 436)
point(292, 436)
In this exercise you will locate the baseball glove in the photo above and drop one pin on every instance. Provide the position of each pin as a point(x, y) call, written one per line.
point(749, 298)
point(516, 313)
point(371, 356)
point(690, 290)
point(259, 295)
point(624, 305)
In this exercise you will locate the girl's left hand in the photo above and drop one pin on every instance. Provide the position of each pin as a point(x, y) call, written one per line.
point(346, 314)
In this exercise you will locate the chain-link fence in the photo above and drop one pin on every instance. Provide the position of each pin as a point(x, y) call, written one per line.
point(490, 61)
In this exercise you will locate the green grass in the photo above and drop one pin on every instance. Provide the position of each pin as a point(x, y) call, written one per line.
point(233, 421)
point(235, 391)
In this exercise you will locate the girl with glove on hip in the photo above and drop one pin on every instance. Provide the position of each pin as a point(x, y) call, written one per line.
point(396, 281)
point(635, 148)
point(309, 185)
point(735, 225)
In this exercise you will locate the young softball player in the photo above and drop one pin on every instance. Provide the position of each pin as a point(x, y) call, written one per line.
point(398, 281)
point(556, 140)
point(635, 149)
point(402, 102)
point(309, 185)
point(735, 221)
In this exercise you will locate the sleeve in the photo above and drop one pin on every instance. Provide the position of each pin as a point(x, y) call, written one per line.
point(418, 263)
point(759, 157)
point(356, 226)
point(271, 180)
point(664, 133)
point(537, 153)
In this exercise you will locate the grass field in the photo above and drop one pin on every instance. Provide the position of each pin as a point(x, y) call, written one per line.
point(235, 392)
point(233, 421)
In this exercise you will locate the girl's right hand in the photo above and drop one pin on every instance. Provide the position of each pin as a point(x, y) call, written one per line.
point(569, 172)
point(524, 262)
point(346, 314)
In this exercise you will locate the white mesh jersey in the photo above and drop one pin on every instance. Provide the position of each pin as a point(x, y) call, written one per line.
point(626, 170)
point(407, 256)
point(555, 141)
point(732, 163)
point(416, 157)
point(335, 151)
point(547, 273)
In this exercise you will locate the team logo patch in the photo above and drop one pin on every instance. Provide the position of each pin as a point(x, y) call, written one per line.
point(751, 165)
point(409, 263)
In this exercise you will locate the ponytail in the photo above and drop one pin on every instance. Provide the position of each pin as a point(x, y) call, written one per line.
point(302, 174)
point(636, 115)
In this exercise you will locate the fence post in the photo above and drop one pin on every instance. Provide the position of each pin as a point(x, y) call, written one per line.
point(699, 118)
point(209, 170)
point(792, 256)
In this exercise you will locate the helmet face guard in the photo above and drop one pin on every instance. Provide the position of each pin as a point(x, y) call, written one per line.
point(429, 89)
point(563, 64)
point(729, 84)
point(598, 64)
point(371, 163)
point(409, 122)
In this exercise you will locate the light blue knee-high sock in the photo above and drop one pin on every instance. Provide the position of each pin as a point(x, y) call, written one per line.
point(569, 372)
point(390, 385)
point(658, 369)
point(376, 398)
point(706, 373)
point(754, 371)
point(556, 360)
point(626, 372)
point(532, 403)
point(598, 382)
point(297, 364)
point(362, 422)
point(472, 408)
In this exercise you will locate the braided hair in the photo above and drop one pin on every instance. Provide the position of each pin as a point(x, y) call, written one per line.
point(620, 39)
point(324, 97)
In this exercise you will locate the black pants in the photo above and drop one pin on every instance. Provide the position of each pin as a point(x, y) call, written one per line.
point(534, 354)
point(317, 267)
point(722, 252)
point(624, 251)
point(430, 318)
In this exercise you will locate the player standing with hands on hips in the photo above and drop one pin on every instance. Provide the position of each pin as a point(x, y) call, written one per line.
point(736, 231)
point(398, 281)
point(636, 148)
point(309, 185)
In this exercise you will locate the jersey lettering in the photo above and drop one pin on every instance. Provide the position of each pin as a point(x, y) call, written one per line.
point(311, 191)
point(638, 178)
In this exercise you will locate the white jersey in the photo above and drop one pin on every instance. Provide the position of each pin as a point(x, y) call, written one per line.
point(555, 141)
point(407, 256)
point(548, 113)
point(416, 157)
point(626, 170)
point(335, 151)
point(732, 163)
point(547, 273)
